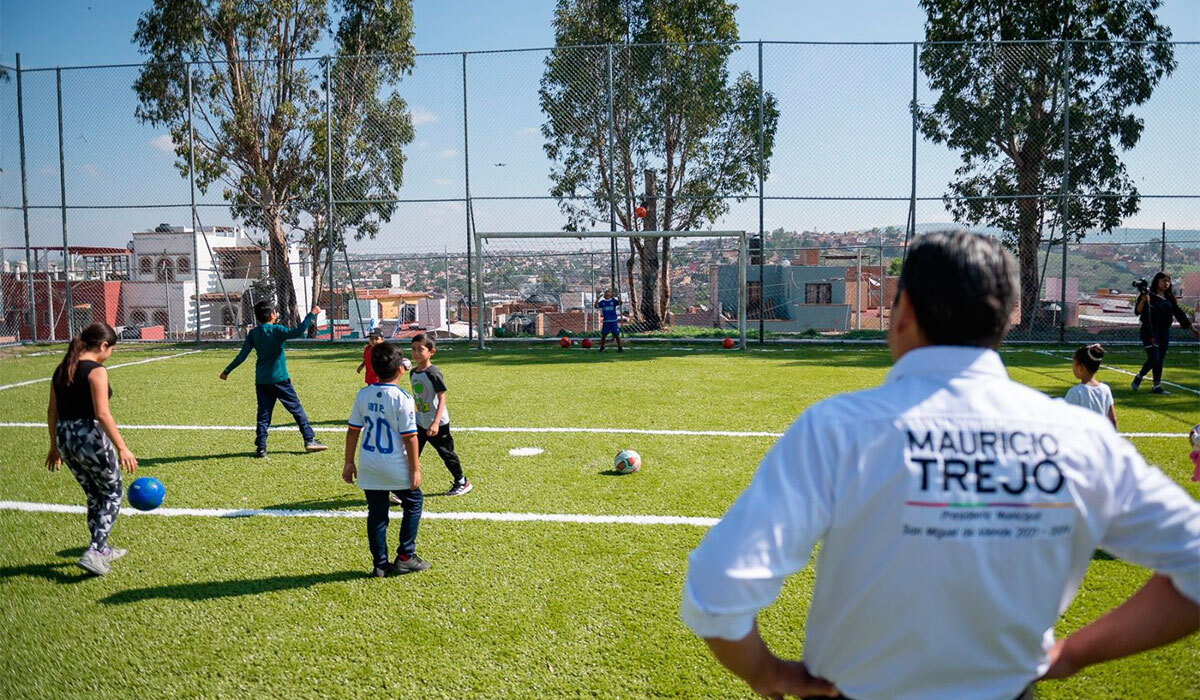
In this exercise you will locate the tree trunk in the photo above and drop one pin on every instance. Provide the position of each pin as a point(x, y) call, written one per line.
point(316, 249)
point(649, 271)
point(281, 273)
point(649, 263)
point(633, 297)
point(1028, 235)
point(318, 279)
point(648, 258)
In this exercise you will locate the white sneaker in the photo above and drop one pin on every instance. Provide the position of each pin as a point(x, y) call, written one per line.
point(112, 554)
point(93, 562)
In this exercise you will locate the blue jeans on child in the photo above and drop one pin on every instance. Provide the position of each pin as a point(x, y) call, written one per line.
point(284, 393)
point(377, 523)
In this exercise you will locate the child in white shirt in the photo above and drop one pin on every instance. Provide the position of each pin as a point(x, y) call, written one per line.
point(1089, 393)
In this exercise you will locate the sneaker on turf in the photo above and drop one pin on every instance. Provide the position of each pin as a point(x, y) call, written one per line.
point(260, 453)
point(112, 554)
point(315, 446)
point(1137, 381)
point(1157, 389)
point(93, 562)
point(394, 499)
point(410, 565)
point(380, 571)
point(459, 488)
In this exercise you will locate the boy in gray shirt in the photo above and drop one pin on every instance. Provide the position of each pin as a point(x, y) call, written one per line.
point(433, 418)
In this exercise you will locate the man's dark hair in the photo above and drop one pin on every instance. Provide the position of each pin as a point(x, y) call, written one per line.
point(385, 360)
point(962, 287)
point(424, 339)
point(263, 311)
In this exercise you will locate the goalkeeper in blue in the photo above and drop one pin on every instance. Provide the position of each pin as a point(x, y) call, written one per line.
point(608, 315)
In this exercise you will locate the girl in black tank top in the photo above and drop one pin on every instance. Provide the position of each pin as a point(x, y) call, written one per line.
point(75, 399)
point(84, 435)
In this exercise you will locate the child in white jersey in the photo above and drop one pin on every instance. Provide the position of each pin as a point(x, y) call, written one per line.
point(384, 421)
point(1089, 393)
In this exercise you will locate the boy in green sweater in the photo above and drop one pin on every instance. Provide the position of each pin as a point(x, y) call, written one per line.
point(271, 380)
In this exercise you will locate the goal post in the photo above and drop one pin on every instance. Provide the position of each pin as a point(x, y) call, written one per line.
point(508, 263)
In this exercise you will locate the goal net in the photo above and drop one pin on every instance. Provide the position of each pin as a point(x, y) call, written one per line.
point(675, 284)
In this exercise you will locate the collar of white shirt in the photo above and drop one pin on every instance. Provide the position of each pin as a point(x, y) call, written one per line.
point(946, 361)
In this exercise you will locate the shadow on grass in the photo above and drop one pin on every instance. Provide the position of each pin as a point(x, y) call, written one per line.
point(1101, 555)
point(321, 504)
point(154, 461)
point(229, 589)
point(57, 573)
point(613, 472)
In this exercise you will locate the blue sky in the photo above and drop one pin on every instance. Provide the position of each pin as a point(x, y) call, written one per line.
point(844, 129)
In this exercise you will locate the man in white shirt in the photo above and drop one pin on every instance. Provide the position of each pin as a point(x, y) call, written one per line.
point(957, 510)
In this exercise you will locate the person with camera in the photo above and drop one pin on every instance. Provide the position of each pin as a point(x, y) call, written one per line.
point(1157, 308)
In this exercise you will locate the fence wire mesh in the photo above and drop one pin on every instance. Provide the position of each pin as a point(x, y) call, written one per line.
point(381, 170)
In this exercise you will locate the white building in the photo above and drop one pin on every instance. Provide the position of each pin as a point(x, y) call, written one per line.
point(167, 261)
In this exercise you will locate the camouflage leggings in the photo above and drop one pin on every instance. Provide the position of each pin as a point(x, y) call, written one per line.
point(90, 456)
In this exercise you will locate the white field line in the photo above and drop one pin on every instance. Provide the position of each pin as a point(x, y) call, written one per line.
point(116, 366)
point(1047, 353)
point(27, 507)
point(480, 429)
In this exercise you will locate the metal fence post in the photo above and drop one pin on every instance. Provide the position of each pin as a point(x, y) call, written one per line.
point(329, 192)
point(1162, 255)
point(882, 282)
point(25, 203)
point(612, 175)
point(911, 228)
point(1066, 187)
point(192, 193)
point(742, 254)
point(467, 202)
point(68, 266)
point(479, 287)
point(762, 238)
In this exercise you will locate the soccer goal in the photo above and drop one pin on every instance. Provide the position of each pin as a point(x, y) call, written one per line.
point(545, 284)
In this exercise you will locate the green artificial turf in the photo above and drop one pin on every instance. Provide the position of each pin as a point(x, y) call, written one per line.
point(237, 607)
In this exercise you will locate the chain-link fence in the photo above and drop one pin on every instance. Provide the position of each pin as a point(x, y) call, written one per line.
point(146, 197)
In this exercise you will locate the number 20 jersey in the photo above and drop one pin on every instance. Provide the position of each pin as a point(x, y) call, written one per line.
point(385, 413)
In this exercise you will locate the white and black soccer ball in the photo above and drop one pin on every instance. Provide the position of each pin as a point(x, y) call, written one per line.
point(627, 462)
point(1194, 436)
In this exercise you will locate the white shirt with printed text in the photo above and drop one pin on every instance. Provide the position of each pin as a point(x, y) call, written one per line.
point(958, 512)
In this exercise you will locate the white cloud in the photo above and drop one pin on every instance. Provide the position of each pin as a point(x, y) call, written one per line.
point(448, 153)
point(163, 143)
point(529, 130)
point(421, 145)
point(420, 115)
point(89, 169)
point(47, 171)
point(442, 182)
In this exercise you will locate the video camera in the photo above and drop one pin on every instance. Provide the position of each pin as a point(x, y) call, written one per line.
point(1142, 286)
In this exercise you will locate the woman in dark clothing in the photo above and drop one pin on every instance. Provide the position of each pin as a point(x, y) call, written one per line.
point(84, 435)
point(1158, 310)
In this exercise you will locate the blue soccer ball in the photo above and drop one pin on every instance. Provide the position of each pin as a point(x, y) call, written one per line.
point(146, 493)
